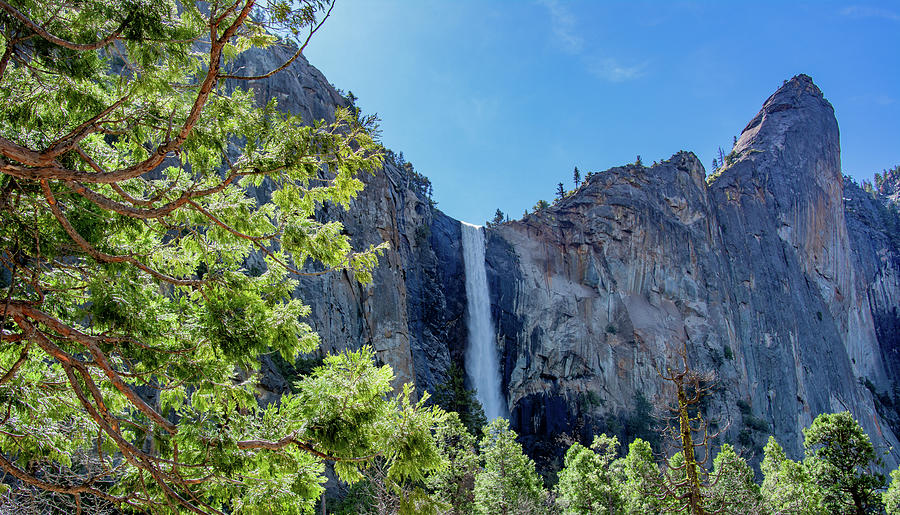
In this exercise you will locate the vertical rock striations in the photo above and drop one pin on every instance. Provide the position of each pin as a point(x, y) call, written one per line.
point(776, 273)
point(803, 319)
point(413, 312)
point(755, 272)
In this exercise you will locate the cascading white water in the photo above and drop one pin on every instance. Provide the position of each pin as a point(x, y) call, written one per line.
point(481, 353)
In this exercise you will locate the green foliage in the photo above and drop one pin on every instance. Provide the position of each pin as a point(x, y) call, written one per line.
point(733, 489)
point(126, 224)
point(590, 481)
point(787, 487)
point(641, 424)
point(455, 483)
point(453, 396)
point(541, 204)
point(642, 488)
point(508, 482)
point(891, 497)
point(498, 219)
point(841, 461)
point(729, 354)
point(756, 424)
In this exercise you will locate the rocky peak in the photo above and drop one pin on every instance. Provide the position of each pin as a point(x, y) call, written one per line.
point(797, 105)
point(787, 166)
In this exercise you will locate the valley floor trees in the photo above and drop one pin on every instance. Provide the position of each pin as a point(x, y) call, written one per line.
point(124, 229)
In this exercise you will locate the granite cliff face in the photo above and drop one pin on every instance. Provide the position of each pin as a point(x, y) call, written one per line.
point(777, 274)
point(412, 314)
point(755, 270)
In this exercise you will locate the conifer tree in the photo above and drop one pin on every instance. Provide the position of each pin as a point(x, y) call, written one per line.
point(560, 191)
point(842, 461)
point(498, 218)
point(576, 176)
point(125, 225)
point(455, 483)
point(687, 475)
point(453, 396)
point(787, 486)
point(508, 483)
point(642, 490)
point(891, 497)
point(591, 479)
point(733, 490)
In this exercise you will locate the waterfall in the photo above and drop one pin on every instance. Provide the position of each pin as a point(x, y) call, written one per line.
point(481, 354)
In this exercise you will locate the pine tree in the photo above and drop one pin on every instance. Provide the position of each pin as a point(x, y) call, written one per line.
point(560, 191)
point(842, 461)
point(686, 474)
point(638, 161)
point(126, 226)
point(733, 489)
point(453, 396)
point(891, 497)
point(508, 484)
point(498, 218)
point(787, 487)
point(455, 483)
point(642, 490)
point(576, 176)
point(591, 479)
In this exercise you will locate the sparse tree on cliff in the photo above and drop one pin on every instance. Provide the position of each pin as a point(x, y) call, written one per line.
point(638, 161)
point(541, 204)
point(576, 176)
point(129, 329)
point(560, 191)
point(498, 218)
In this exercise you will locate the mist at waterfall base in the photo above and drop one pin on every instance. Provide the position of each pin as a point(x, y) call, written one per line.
point(481, 353)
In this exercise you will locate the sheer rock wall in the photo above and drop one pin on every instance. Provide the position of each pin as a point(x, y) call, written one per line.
point(777, 274)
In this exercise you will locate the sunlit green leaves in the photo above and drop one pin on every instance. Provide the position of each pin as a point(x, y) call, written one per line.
point(187, 278)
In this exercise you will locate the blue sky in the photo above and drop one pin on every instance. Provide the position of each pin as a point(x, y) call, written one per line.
point(497, 101)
